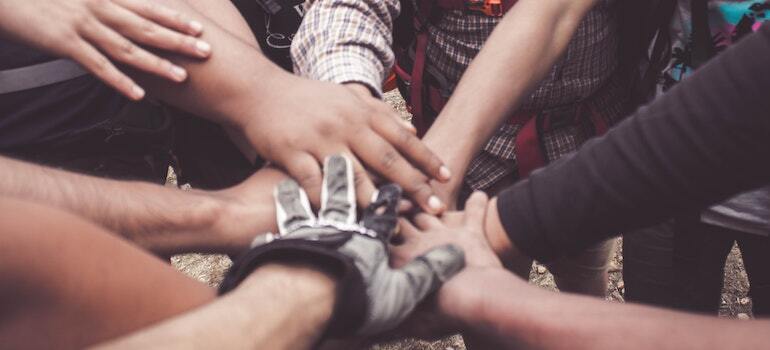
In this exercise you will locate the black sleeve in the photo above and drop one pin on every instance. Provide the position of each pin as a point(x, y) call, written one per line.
point(706, 139)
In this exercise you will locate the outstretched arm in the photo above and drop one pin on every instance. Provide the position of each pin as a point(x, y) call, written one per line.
point(518, 315)
point(296, 122)
point(161, 219)
point(705, 140)
point(276, 307)
point(293, 122)
point(490, 303)
point(515, 58)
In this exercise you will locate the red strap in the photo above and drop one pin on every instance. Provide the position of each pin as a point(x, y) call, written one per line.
point(435, 99)
point(529, 154)
point(477, 5)
point(600, 123)
point(416, 86)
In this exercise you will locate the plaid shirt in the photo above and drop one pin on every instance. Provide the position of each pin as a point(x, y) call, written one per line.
point(347, 41)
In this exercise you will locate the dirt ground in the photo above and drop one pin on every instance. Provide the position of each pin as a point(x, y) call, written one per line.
point(735, 303)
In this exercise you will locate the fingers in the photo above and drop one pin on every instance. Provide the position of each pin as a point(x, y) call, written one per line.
point(96, 63)
point(147, 32)
point(407, 230)
point(404, 288)
point(292, 207)
point(338, 201)
point(386, 160)
point(476, 209)
point(425, 221)
point(366, 191)
point(125, 51)
point(306, 171)
point(407, 143)
point(163, 15)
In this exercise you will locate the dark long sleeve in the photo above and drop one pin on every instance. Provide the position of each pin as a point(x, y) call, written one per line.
point(707, 139)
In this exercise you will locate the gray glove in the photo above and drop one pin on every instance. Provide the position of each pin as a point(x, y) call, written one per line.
point(373, 297)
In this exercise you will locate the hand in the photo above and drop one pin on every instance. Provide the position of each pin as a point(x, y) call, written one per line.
point(448, 192)
point(373, 296)
point(247, 208)
point(87, 30)
point(441, 316)
point(301, 122)
point(463, 229)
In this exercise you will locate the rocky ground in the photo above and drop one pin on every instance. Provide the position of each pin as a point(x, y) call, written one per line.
point(210, 269)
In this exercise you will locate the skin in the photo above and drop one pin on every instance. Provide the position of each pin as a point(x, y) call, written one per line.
point(518, 54)
point(163, 220)
point(68, 283)
point(54, 287)
point(251, 98)
point(509, 313)
point(94, 33)
point(297, 300)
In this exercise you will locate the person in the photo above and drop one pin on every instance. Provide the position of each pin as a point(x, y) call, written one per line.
point(92, 286)
point(556, 60)
point(673, 156)
point(84, 126)
point(681, 263)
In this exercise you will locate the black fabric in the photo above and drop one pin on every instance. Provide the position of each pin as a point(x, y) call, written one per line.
point(703, 46)
point(351, 302)
point(274, 23)
point(13, 55)
point(707, 139)
point(51, 112)
point(140, 143)
point(681, 265)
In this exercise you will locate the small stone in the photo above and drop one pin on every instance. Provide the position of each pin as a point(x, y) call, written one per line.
point(540, 269)
point(743, 316)
point(621, 285)
point(744, 301)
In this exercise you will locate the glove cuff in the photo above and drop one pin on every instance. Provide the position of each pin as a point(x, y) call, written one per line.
point(351, 302)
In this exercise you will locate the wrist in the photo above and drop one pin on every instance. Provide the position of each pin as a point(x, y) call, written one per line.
point(495, 233)
point(188, 224)
point(461, 302)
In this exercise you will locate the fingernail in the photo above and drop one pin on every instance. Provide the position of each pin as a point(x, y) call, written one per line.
point(435, 203)
point(196, 26)
point(203, 47)
point(137, 92)
point(444, 172)
point(179, 72)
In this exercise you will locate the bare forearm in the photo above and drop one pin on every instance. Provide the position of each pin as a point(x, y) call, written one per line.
point(233, 83)
point(519, 53)
point(161, 219)
point(277, 307)
point(518, 315)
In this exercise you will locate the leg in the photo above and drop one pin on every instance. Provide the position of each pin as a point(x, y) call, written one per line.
point(754, 249)
point(78, 284)
point(648, 265)
point(585, 273)
point(700, 252)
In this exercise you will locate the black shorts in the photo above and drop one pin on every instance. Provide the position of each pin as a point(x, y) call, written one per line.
point(141, 142)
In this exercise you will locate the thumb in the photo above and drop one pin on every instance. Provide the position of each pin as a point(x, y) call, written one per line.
point(476, 209)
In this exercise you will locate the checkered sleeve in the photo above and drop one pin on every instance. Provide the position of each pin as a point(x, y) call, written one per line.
point(345, 41)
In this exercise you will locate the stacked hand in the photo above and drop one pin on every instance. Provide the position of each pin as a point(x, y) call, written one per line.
point(301, 122)
point(87, 30)
point(373, 297)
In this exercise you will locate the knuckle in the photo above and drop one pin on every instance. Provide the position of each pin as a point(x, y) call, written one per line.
point(148, 29)
point(127, 48)
point(389, 160)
